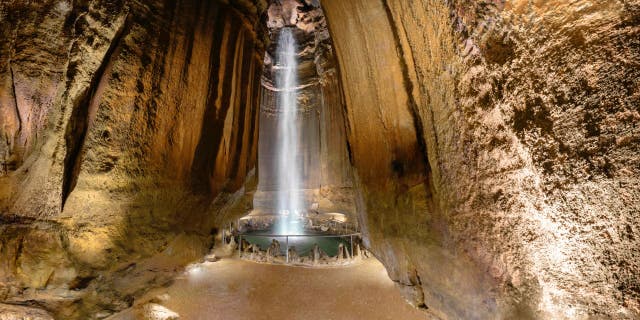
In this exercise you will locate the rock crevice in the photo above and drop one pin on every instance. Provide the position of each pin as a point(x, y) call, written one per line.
point(84, 112)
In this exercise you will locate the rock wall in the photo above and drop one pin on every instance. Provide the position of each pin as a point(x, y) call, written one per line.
point(493, 143)
point(126, 127)
point(495, 149)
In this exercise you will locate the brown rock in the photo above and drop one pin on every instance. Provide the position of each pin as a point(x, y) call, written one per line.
point(124, 121)
point(487, 148)
point(515, 108)
point(11, 312)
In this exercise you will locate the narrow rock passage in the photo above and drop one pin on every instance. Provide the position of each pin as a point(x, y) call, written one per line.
point(235, 289)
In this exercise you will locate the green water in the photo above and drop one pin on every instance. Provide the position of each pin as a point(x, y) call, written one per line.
point(303, 244)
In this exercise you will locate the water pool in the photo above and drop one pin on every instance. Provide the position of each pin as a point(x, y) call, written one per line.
point(303, 244)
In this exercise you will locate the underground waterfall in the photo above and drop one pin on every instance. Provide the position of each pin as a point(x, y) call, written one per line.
point(319, 159)
point(301, 234)
point(303, 209)
point(289, 202)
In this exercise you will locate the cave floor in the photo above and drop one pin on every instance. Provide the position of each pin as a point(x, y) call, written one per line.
point(236, 289)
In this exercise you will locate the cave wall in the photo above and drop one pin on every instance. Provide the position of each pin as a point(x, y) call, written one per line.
point(494, 147)
point(126, 127)
point(336, 176)
point(525, 115)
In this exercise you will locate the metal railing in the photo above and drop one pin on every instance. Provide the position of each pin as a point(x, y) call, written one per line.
point(350, 235)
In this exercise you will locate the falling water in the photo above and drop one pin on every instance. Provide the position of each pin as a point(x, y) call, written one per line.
point(289, 202)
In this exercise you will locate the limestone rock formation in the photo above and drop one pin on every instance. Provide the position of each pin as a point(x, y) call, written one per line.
point(343, 253)
point(317, 255)
point(273, 251)
point(152, 311)
point(491, 146)
point(11, 312)
point(146, 311)
point(126, 128)
point(293, 255)
point(497, 169)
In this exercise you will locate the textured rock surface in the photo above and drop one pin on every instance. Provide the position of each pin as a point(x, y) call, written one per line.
point(494, 146)
point(122, 121)
point(527, 204)
point(9, 312)
point(152, 311)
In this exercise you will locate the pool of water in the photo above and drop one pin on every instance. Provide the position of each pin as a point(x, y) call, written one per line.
point(303, 244)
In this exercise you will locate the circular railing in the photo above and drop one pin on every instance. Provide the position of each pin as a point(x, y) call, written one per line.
point(348, 241)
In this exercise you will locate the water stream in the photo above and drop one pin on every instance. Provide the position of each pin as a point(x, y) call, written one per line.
point(289, 203)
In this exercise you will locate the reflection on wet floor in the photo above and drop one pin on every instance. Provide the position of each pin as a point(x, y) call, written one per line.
point(234, 289)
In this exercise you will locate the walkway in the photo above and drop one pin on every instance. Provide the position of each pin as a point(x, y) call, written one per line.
point(234, 289)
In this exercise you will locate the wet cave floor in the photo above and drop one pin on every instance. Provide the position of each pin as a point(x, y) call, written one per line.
point(237, 289)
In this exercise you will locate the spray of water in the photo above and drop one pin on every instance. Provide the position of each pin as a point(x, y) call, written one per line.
point(289, 202)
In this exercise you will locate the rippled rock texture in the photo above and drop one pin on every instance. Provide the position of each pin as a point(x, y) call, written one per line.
point(121, 123)
point(498, 163)
point(493, 147)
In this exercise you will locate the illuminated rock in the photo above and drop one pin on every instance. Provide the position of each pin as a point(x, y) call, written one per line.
point(489, 149)
point(153, 311)
point(12, 312)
